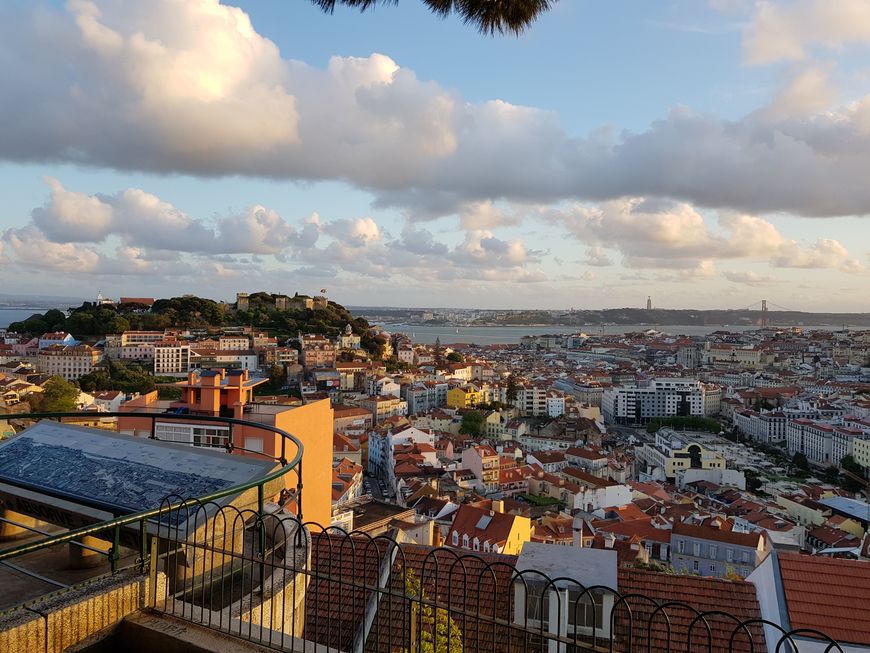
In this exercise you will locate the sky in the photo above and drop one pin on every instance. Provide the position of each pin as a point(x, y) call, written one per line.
point(706, 153)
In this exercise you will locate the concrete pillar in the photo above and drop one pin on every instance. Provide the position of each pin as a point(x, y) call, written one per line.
point(81, 558)
point(9, 532)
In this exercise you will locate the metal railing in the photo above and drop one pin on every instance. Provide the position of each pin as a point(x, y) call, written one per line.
point(142, 519)
point(286, 584)
point(290, 585)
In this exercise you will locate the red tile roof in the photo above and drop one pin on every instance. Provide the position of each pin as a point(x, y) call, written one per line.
point(709, 533)
point(828, 594)
point(703, 594)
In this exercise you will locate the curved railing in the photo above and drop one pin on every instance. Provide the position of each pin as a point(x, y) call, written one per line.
point(142, 518)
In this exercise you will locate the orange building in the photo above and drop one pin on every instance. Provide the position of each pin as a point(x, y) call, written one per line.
point(222, 393)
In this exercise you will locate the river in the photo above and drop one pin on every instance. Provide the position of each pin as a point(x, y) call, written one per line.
point(10, 315)
point(510, 335)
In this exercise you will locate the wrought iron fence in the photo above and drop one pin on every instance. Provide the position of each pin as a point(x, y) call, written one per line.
point(290, 585)
point(267, 576)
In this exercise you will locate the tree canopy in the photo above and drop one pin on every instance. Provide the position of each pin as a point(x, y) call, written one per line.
point(58, 396)
point(488, 16)
point(117, 375)
point(472, 423)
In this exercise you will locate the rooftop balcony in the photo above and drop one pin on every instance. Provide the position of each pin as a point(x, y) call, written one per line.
point(238, 569)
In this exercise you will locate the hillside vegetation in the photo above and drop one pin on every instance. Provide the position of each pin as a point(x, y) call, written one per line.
point(91, 320)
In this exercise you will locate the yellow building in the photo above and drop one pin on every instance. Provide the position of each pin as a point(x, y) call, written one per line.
point(672, 453)
point(465, 397)
point(861, 452)
point(487, 531)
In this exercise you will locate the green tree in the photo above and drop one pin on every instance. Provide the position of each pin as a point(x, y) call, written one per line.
point(831, 474)
point(55, 319)
point(472, 423)
point(58, 396)
point(488, 16)
point(512, 389)
point(800, 461)
point(753, 482)
point(433, 629)
point(854, 471)
point(455, 357)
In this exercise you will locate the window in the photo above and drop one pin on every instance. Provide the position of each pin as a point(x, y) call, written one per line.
point(538, 604)
point(455, 538)
point(465, 541)
point(746, 556)
point(681, 546)
point(695, 566)
point(729, 555)
point(713, 552)
point(585, 610)
point(476, 544)
point(696, 549)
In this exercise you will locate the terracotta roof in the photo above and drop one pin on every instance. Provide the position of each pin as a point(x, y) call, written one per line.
point(828, 594)
point(486, 525)
point(709, 533)
point(704, 594)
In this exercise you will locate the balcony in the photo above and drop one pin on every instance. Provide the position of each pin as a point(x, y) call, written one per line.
point(233, 565)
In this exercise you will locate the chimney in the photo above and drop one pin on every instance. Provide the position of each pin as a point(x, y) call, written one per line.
point(238, 412)
point(609, 540)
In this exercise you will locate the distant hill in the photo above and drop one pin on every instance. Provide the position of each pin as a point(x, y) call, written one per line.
point(632, 316)
point(687, 317)
point(94, 320)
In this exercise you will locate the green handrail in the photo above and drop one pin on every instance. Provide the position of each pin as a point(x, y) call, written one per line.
point(145, 515)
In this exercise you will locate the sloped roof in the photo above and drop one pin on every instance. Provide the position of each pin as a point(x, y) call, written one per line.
point(828, 594)
point(704, 594)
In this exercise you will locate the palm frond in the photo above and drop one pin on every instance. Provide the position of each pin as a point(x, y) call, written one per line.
point(488, 16)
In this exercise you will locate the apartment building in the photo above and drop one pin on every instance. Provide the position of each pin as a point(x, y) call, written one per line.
point(483, 462)
point(316, 351)
point(171, 358)
point(713, 551)
point(424, 396)
point(69, 361)
point(383, 407)
point(671, 453)
point(532, 401)
point(812, 439)
point(665, 397)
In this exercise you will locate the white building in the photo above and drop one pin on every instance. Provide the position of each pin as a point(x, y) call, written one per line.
point(666, 397)
point(172, 358)
point(68, 361)
point(384, 387)
point(812, 439)
point(424, 396)
point(555, 404)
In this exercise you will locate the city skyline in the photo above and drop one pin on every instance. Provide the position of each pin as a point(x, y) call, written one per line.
point(709, 154)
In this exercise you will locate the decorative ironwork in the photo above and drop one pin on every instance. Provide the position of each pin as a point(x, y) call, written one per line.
point(273, 579)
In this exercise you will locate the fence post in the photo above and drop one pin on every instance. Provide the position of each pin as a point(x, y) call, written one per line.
point(115, 551)
point(152, 578)
point(262, 528)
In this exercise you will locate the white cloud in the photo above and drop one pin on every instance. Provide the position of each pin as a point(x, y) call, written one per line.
point(808, 91)
point(149, 236)
point(750, 278)
point(784, 31)
point(674, 236)
point(190, 87)
point(142, 219)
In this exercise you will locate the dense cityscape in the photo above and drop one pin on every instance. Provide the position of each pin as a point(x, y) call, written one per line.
point(698, 456)
point(434, 326)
